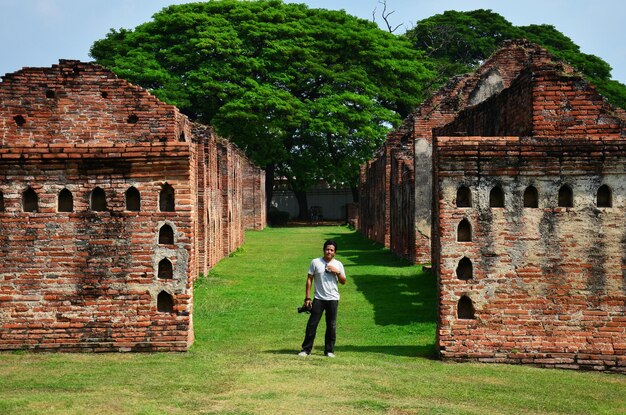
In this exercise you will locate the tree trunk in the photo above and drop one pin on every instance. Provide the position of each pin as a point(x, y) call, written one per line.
point(269, 185)
point(303, 206)
point(355, 193)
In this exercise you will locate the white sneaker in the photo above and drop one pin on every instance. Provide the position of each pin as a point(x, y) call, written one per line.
point(330, 355)
point(303, 354)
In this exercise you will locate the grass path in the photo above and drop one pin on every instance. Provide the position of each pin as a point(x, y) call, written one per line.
point(248, 333)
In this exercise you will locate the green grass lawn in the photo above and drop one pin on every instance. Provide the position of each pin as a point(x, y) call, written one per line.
point(248, 334)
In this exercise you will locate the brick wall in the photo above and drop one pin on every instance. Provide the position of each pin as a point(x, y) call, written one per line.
point(94, 258)
point(374, 199)
point(494, 76)
point(548, 285)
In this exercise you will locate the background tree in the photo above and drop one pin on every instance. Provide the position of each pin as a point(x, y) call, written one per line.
point(460, 41)
point(308, 94)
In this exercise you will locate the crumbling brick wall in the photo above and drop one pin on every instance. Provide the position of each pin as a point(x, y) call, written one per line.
point(461, 92)
point(254, 210)
point(536, 277)
point(538, 283)
point(374, 199)
point(106, 196)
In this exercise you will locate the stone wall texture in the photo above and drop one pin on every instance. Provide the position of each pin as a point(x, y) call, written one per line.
point(111, 204)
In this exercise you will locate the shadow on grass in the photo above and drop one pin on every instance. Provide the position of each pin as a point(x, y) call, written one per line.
point(355, 248)
point(423, 351)
point(399, 300)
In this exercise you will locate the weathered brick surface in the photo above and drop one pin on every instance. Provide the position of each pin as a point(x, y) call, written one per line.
point(89, 280)
point(544, 284)
point(441, 108)
point(548, 285)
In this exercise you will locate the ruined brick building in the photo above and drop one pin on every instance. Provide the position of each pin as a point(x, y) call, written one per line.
point(526, 164)
point(111, 204)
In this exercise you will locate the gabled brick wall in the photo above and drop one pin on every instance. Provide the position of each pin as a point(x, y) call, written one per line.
point(495, 75)
point(113, 269)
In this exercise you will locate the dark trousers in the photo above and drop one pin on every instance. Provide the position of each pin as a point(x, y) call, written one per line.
point(319, 306)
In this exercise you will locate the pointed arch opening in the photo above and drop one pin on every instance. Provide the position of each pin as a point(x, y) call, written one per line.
point(133, 199)
point(165, 302)
point(604, 198)
point(30, 200)
point(465, 269)
point(531, 197)
point(65, 201)
point(166, 198)
point(496, 197)
point(464, 231)
point(166, 271)
point(465, 308)
point(566, 196)
point(1, 202)
point(463, 197)
point(98, 200)
point(166, 235)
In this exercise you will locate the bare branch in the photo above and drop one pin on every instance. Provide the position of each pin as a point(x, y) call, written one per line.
point(386, 15)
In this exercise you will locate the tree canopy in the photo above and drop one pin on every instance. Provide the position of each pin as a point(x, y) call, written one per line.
point(460, 41)
point(306, 93)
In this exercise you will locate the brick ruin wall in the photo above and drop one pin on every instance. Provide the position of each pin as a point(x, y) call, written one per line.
point(116, 277)
point(543, 285)
point(401, 205)
point(373, 200)
point(497, 74)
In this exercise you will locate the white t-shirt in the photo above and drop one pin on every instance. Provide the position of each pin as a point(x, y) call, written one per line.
point(326, 287)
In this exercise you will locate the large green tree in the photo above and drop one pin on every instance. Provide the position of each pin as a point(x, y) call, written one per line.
point(308, 94)
point(459, 41)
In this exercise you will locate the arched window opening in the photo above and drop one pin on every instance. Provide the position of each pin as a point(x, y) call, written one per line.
point(181, 137)
point(30, 201)
point(98, 200)
point(463, 197)
point(132, 119)
point(465, 308)
point(566, 196)
point(604, 197)
point(531, 197)
point(166, 235)
point(464, 231)
point(166, 198)
point(465, 269)
point(133, 199)
point(65, 201)
point(496, 197)
point(1, 202)
point(165, 302)
point(165, 270)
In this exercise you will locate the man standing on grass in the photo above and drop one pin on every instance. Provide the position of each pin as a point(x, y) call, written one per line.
point(326, 271)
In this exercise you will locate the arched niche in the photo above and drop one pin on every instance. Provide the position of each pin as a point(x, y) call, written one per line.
point(167, 198)
point(531, 197)
point(463, 197)
point(65, 201)
point(166, 235)
point(465, 308)
point(133, 199)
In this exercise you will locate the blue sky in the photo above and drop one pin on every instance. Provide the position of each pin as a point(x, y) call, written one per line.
point(40, 32)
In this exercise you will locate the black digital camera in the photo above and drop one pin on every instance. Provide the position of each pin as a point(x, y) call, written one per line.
point(304, 309)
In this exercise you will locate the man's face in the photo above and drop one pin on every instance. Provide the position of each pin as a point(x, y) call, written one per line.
point(329, 252)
